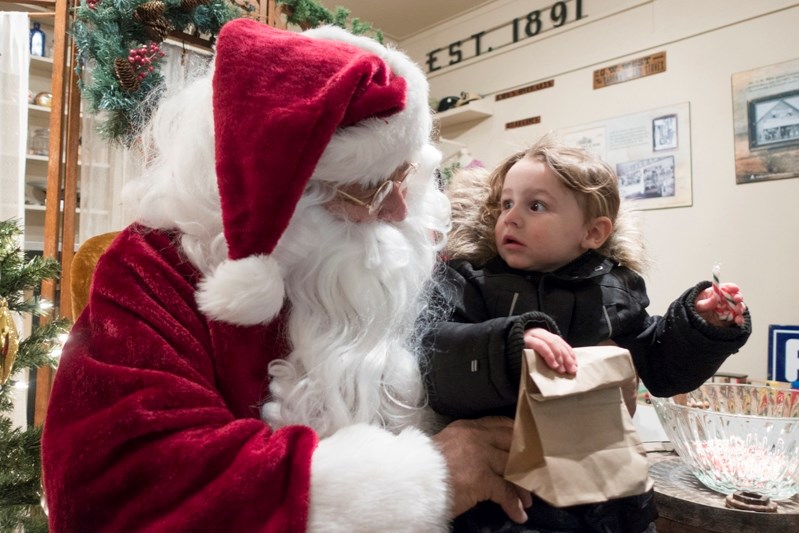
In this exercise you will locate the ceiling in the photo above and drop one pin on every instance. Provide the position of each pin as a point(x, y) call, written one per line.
point(400, 19)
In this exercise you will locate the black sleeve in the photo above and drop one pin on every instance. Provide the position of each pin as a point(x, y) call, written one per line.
point(679, 351)
point(474, 360)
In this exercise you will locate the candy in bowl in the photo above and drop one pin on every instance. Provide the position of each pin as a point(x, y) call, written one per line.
point(736, 437)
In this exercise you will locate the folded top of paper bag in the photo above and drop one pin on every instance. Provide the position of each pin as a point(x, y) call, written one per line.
point(599, 367)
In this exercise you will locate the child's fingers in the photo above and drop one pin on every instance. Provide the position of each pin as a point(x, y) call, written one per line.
point(555, 351)
point(707, 300)
point(543, 350)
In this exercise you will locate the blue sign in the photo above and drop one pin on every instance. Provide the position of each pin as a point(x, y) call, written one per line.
point(783, 349)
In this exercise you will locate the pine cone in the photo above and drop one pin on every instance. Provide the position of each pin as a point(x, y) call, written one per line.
point(159, 29)
point(126, 75)
point(149, 11)
point(187, 6)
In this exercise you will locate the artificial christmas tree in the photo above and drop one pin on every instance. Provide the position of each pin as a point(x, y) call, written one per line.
point(20, 472)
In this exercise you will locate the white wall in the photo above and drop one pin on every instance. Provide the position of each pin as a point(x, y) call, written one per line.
point(750, 228)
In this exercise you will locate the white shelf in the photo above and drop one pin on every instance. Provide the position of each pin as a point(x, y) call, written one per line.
point(37, 207)
point(41, 66)
point(40, 110)
point(44, 159)
point(471, 112)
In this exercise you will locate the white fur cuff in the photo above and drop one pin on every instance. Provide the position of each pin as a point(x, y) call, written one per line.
point(245, 292)
point(366, 479)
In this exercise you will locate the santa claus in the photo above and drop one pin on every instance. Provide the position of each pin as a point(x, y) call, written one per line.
point(249, 357)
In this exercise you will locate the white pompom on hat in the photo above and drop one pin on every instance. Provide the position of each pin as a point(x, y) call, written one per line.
point(288, 107)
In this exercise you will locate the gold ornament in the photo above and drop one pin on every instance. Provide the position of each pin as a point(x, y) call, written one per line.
point(9, 342)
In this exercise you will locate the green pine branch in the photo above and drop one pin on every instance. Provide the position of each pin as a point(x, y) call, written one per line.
point(310, 14)
point(105, 31)
point(20, 449)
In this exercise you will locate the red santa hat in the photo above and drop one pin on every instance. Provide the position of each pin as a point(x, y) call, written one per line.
point(290, 107)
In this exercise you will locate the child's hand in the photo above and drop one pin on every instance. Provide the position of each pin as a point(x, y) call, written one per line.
point(718, 311)
point(555, 351)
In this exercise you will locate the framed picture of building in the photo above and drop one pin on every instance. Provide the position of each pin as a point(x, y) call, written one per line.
point(774, 121)
point(766, 122)
point(650, 151)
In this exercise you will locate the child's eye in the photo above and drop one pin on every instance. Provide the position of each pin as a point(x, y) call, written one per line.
point(506, 204)
point(537, 206)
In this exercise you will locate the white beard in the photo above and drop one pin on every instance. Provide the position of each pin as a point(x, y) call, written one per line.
point(355, 291)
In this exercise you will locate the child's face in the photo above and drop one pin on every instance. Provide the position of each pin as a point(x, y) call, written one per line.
point(541, 226)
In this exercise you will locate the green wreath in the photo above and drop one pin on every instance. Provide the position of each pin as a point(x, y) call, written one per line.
point(119, 40)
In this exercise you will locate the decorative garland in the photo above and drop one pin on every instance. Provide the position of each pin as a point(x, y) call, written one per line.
point(119, 40)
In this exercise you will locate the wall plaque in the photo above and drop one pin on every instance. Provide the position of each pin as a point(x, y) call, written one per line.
point(523, 122)
point(524, 90)
point(631, 70)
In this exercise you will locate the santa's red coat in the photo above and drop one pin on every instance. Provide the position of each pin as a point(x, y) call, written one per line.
point(153, 422)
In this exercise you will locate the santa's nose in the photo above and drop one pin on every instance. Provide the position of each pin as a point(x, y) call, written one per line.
point(394, 208)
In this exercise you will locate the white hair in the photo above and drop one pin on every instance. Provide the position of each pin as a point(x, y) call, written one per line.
point(178, 189)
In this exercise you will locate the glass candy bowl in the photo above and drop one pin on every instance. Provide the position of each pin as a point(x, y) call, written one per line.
point(737, 437)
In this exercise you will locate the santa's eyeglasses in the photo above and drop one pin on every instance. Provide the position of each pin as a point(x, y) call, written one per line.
point(374, 201)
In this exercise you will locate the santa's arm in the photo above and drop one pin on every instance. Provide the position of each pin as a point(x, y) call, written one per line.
point(139, 438)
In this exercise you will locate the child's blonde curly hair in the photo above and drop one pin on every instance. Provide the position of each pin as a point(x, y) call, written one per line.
point(475, 197)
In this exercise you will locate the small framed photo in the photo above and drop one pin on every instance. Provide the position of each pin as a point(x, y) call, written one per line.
point(664, 133)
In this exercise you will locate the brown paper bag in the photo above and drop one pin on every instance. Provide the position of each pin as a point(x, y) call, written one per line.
point(573, 439)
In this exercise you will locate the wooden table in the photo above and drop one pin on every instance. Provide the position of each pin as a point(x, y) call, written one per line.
point(686, 506)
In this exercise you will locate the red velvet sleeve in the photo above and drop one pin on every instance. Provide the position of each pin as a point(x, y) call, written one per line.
point(153, 418)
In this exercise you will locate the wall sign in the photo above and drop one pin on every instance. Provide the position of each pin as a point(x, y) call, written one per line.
point(783, 348)
point(523, 122)
point(631, 70)
point(527, 26)
point(524, 90)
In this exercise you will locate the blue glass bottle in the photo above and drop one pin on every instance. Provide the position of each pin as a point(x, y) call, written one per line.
point(37, 40)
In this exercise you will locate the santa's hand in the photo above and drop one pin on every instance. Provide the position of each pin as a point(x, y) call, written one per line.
point(552, 348)
point(721, 311)
point(476, 452)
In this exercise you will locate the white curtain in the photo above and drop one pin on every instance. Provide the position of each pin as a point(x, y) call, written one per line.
point(106, 167)
point(14, 61)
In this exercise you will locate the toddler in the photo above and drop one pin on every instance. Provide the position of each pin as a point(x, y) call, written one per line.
point(542, 256)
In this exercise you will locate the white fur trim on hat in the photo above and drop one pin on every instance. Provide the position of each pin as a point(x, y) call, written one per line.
point(246, 291)
point(369, 151)
point(364, 479)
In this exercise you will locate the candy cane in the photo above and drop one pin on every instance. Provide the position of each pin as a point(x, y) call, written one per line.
point(728, 311)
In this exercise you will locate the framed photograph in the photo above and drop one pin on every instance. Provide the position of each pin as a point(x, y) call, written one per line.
point(664, 133)
point(766, 122)
point(646, 178)
point(650, 151)
point(774, 121)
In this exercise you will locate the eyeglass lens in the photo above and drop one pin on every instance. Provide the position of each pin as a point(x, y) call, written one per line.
point(380, 195)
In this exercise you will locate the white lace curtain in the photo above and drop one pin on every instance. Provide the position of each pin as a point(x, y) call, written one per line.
point(106, 167)
point(14, 61)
